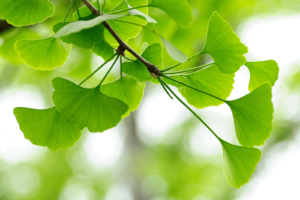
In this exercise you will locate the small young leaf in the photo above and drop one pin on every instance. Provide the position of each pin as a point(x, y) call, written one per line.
point(179, 10)
point(87, 107)
point(77, 26)
point(46, 128)
point(103, 49)
point(221, 86)
point(83, 39)
point(224, 46)
point(44, 54)
point(137, 69)
point(126, 89)
point(25, 12)
point(175, 53)
point(253, 116)
point(262, 72)
point(239, 163)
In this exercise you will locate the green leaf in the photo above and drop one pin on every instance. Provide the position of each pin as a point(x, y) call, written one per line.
point(239, 163)
point(253, 116)
point(44, 54)
point(103, 49)
point(210, 80)
point(141, 14)
point(87, 107)
point(7, 49)
point(77, 26)
point(179, 10)
point(137, 69)
point(126, 89)
point(83, 39)
point(46, 128)
point(223, 45)
point(175, 53)
point(262, 72)
point(25, 12)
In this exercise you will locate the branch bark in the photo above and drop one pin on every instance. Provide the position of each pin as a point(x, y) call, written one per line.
point(153, 69)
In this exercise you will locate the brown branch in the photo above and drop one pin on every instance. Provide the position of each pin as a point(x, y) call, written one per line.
point(154, 70)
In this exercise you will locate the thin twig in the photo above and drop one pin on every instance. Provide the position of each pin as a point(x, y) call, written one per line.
point(163, 86)
point(153, 70)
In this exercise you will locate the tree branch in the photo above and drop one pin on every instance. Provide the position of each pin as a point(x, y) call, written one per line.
point(154, 70)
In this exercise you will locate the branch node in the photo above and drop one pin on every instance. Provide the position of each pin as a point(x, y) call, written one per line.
point(121, 50)
point(154, 70)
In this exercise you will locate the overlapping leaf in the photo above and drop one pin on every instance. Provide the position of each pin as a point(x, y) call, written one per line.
point(25, 12)
point(83, 39)
point(179, 10)
point(103, 49)
point(44, 54)
point(224, 46)
point(77, 26)
point(137, 69)
point(221, 86)
point(46, 128)
point(87, 107)
point(126, 89)
point(253, 116)
point(262, 72)
point(239, 163)
point(175, 53)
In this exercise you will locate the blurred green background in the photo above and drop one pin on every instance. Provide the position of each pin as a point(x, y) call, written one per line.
point(160, 152)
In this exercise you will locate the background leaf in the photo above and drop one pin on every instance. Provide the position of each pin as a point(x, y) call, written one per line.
point(25, 12)
point(175, 53)
point(179, 10)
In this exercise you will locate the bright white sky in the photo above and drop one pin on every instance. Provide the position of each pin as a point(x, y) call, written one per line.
point(275, 38)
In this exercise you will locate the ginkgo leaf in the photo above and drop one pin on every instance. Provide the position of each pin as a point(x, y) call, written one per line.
point(7, 48)
point(126, 27)
point(46, 128)
point(126, 89)
point(83, 39)
point(253, 116)
point(223, 45)
point(137, 69)
point(103, 49)
point(44, 54)
point(209, 80)
point(141, 14)
point(87, 107)
point(77, 26)
point(239, 163)
point(175, 53)
point(262, 72)
point(179, 10)
point(25, 12)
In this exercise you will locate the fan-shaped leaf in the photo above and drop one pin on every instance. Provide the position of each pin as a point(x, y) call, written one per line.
point(239, 163)
point(126, 89)
point(25, 12)
point(224, 46)
point(87, 107)
point(253, 116)
point(210, 80)
point(103, 49)
point(77, 26)
point(44, 54)
point(152, 54)
point(179, 10)
point(175, 53)
point(262, 72)
point(46, 128)
point(83, 39)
